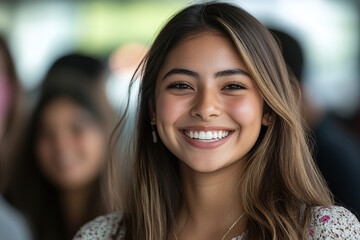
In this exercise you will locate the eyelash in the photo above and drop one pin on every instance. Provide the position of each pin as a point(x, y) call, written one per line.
point(230, 86)
point(233, 86)
point(179, 86)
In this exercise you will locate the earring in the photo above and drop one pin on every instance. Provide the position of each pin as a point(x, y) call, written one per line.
point(152, 123)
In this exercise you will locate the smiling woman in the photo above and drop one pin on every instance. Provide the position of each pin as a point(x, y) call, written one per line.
point(56, 182)
point(233, 160)
point(211, 94)
point(57, 179)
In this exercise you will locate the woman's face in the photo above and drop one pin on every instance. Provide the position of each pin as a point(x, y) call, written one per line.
point(208, 110)
point(70, 145)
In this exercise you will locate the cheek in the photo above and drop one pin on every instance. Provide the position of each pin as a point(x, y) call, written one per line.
point(169, 108)
point(44, 152)
point(247, 110)
point(91, 146)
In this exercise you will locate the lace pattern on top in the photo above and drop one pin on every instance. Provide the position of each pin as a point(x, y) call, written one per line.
point(103, 228)
point(328, 223)
point(333, 223)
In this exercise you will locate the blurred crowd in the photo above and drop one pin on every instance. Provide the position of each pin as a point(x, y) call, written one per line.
point(54, 145)
point(54, 141)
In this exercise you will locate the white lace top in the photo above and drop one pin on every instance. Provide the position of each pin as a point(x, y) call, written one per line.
point(327, 223)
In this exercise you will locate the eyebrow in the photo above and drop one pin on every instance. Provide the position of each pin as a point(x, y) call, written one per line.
point(181, 71)
point(225, 73)
point(236, 71)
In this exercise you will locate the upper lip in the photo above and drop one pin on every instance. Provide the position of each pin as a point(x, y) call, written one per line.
point(206, 128)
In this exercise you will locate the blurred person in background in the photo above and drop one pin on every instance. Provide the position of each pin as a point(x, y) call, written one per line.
point(337, 151)
point(77, 67)
point(57, 183)
point(12, 223)
point(353, 121)
point(90, 69)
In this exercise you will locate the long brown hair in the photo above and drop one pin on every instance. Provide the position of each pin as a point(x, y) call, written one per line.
point(277, 202)
point(30, 190)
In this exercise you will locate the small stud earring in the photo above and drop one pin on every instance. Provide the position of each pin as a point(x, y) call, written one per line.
point(152, 123)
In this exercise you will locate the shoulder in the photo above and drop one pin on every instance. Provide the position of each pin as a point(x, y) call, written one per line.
point(12, 224)
point(104, 227)
point(333, 223)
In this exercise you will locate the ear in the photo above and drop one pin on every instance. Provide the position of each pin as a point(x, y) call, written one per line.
point(266, 120)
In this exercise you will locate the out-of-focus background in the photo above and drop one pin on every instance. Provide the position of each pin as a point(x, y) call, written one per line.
point(40, 31)
point(73, 63)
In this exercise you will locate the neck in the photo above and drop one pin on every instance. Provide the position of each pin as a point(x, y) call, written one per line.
point(212, 201)
point(76, 205)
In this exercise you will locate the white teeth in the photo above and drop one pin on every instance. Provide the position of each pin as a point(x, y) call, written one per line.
point(220, 134)
point(209, 135)
point(214, 134)
point(196, 135)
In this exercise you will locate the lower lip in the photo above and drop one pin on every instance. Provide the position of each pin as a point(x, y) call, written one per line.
point(205, 145)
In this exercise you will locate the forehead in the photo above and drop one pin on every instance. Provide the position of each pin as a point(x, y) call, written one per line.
point(206, 51)
point(59, 109)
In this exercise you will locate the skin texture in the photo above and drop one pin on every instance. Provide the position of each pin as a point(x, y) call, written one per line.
point(70, 145)
point(207, 101)
point(214, 93)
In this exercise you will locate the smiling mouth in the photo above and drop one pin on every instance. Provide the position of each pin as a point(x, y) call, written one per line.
point(207, 136)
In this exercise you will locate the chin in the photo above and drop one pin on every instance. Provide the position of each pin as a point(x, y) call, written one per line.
point(205, 165)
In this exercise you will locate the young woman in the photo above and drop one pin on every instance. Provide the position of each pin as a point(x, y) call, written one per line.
point(56, 184)
point(220, 145)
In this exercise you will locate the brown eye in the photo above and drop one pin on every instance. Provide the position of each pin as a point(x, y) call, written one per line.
point(179, 86)
point(234, 86)
point(77, 130)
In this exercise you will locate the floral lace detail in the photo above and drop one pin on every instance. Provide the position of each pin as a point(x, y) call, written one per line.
point(333, 223)
point(103, 228)
point(328, 223)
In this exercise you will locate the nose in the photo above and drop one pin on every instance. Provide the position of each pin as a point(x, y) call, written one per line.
point(61, 144)
point(206, 105)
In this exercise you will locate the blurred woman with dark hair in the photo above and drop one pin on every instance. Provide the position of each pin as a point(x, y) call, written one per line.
point(57, 184)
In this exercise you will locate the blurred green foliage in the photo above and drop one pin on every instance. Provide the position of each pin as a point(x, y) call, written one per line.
point(103, 26)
